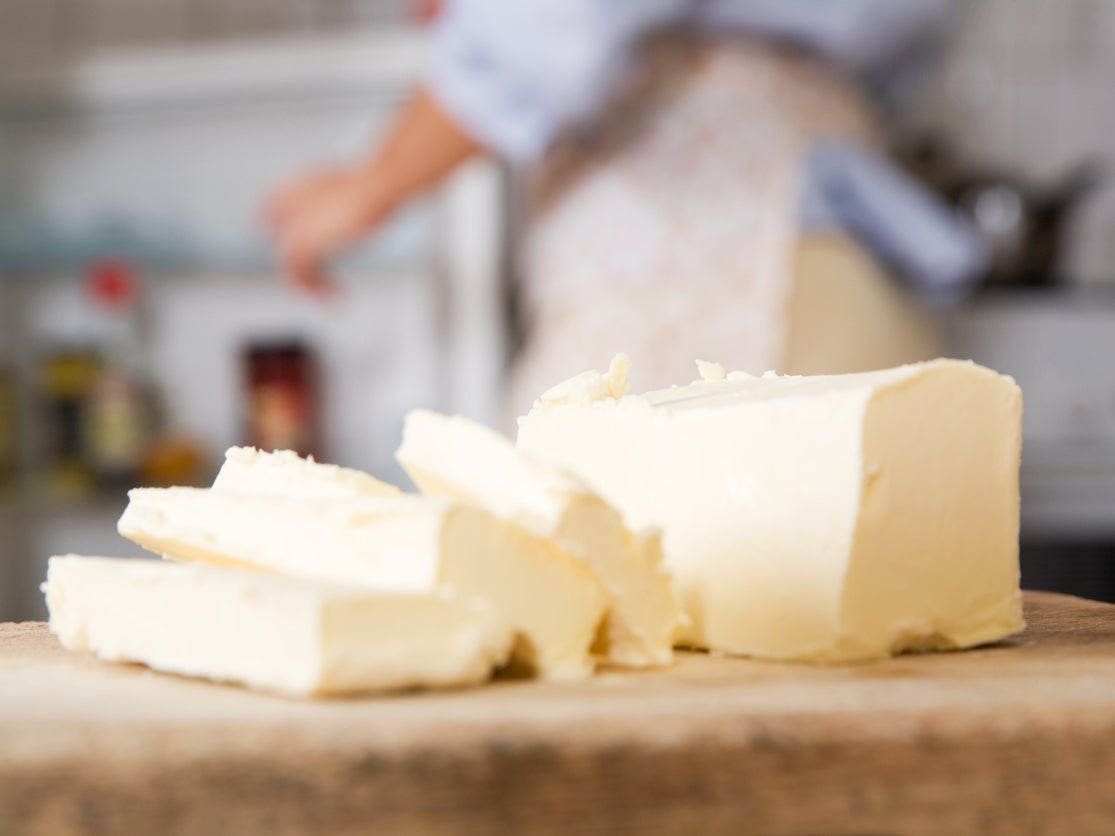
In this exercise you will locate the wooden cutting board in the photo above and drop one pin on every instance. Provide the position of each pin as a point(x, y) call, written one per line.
point(1016, 738)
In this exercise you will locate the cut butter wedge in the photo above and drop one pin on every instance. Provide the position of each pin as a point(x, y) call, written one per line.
point(396, 543)
point(248, 470)
point(461, 459)
point(269, 632)
point(833, 518)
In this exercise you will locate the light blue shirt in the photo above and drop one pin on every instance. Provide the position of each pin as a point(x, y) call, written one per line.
point(516, 73)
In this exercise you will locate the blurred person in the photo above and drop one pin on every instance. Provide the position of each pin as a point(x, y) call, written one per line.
point(707, 180)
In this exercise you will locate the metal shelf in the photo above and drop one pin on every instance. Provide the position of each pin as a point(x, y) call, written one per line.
point(336, 66)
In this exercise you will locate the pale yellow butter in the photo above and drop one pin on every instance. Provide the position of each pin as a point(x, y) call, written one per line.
point(457, 458)
point(396, 543)
point(824, 518)
point(265, 631)
point(248, 470)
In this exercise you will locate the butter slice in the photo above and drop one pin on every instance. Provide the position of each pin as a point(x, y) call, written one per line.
point(461, 459)
point(248, 470)
point(395, 543)
point(292, 637)
point(828, 518)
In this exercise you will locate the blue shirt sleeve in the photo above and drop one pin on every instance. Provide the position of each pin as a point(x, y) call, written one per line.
point(515, 73)
point(859, 35)
point(885, 44)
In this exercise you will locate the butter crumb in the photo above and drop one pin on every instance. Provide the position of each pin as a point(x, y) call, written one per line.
point(617, 376)
point(591, 386)
point(710, 371)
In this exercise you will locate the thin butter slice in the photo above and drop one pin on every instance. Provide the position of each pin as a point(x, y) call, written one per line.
point(249, 470)
point(829, 518)
point(292, 637)
point(461, 459)
point(396, 543)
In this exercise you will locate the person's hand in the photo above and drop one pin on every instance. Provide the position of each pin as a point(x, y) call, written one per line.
point(318, 215)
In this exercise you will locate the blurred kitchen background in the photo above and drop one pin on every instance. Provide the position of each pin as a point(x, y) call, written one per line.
point(143, 328)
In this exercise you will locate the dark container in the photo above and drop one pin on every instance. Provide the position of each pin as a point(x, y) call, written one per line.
point(281, 398)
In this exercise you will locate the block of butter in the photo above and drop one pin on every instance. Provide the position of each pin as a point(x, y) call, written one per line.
point(249, 470)
point(828, 518)
point(266, 631)
point(461, 459)
point(397, 543)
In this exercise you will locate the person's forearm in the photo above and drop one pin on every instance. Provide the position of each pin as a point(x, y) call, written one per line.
point(315, 217)
point(421, 148)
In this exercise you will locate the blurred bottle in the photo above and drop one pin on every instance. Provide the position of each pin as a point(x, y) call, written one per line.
point(174, 460)
point(281, 397)
point(118, 415)
point(63, 382)
point(9, 428)
point(12, 348)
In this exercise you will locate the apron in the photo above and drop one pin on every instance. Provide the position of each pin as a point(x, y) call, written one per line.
point(668, 232)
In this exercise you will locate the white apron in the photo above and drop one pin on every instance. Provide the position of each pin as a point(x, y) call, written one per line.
point(669, 232)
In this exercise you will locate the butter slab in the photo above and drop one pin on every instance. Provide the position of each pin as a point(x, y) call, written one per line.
point(293, 637)
point(461, 459)
point(397, 543)
point(829, 518)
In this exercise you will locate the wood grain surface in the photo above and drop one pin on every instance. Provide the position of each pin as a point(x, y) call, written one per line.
point(1015, 738)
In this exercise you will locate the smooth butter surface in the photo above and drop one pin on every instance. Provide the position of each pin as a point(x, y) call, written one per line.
point(293, 637)
point(458, 458)
point(822, 518)
point(285, 472)
point(398, 543)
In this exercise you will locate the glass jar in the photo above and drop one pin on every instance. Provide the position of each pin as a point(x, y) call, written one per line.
point(281, 397)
